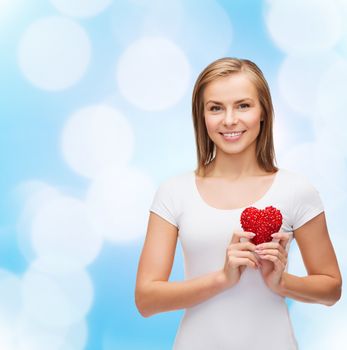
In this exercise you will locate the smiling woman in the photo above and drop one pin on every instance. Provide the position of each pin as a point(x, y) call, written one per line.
point(241, 91)
point(229, 279)
point(234, 119)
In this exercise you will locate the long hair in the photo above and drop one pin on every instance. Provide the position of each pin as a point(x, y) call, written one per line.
point(205, 147)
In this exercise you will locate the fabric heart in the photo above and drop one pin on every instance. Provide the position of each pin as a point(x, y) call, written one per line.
point(262, 222)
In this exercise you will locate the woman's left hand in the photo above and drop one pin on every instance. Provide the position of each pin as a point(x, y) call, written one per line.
point(273, 260)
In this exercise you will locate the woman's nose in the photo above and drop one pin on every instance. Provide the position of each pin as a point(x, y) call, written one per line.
point(230, 117)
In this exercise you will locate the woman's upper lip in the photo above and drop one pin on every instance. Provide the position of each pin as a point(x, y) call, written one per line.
point(229, 132)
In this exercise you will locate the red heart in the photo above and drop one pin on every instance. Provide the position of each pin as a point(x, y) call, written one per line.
point(262, 222)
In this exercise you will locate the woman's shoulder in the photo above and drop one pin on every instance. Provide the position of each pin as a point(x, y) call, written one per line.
point(296, 182)
point(294, 175)
point(177, 181)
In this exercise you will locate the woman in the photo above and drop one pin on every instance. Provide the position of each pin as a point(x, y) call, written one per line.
point(233, 292)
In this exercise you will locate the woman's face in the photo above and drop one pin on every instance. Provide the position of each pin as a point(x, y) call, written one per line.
point(232, 113)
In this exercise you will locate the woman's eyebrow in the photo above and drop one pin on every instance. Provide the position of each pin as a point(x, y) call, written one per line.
point(238, 101)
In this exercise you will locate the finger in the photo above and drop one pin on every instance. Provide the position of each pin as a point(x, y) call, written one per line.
point(242, 262)
point(243, 246)
point(278, 264)
point(273, 255)
point(277, 251)
point(273, 252)
point(270, 245)
point(237, 235)
point(282, 237)
point(249, 262)
point(240, 254)
point(245, 254)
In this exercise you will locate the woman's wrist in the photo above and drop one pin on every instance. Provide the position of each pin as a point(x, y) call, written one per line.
point(280, 288)
point(226, 282)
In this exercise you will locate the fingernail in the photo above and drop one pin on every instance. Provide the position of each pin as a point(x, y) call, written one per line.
point(252, 234)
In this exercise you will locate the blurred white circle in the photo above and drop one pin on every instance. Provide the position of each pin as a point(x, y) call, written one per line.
point(132, 19)
point(342, 45)
point(7, 336)
point(118, 203)
point(61, 228)
point(206, 32)
point(96, 137)
point(56, 299)
point(31, 195)
point(31, 335)
point(331, 99)
point(45, 301)
point(10, 298)
point(299, 78)
point(310, 320)
point(324, 166)
point(54, 53)
point(331, 123)
point(153, 73)
point(304, 26)
point(76, 337)
point(334, 335)
point(81, 8)
point(283, 128)
point(33, 192)
point(335, 222)
point(164, 18)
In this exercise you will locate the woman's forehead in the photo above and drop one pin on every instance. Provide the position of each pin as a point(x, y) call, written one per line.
point(235, 86)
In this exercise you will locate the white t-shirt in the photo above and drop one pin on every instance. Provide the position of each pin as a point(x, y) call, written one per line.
point(248, 315)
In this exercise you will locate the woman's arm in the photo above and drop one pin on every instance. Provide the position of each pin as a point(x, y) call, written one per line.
point(153, 292)
point(324, 282)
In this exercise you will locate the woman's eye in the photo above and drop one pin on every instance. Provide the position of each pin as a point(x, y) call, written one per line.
point(243, 105)
point(213, 108)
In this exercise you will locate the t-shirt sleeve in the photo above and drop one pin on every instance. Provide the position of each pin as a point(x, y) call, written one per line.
point(307, 203)
point(163, 203)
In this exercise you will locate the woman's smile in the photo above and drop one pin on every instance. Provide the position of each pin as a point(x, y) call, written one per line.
point(232, 136)
point(232, 108)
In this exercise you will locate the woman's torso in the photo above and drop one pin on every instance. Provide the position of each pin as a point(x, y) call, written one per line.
point(249, 314)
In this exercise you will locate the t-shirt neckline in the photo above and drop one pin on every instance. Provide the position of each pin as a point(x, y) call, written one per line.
point(265, 195)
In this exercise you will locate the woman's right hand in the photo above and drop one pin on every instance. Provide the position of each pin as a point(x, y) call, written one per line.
point(239, 255)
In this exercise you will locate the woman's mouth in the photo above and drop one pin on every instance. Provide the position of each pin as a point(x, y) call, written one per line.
point(232, 136)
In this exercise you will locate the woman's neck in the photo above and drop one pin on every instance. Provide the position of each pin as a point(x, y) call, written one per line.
point(234, 167)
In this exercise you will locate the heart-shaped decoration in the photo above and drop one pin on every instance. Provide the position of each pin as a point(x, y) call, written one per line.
point(262, 222)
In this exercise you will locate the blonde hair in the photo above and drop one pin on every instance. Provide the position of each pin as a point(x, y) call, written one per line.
point(222, 67)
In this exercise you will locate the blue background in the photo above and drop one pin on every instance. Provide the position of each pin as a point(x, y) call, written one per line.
point(33, 118)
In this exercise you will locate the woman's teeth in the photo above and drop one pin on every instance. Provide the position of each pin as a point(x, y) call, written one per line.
point(233, 134)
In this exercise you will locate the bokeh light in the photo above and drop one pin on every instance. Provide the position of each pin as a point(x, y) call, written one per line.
point(299, 80)
point(61, 229)
point(56, 300)
point(95, 114)
point(81, 8)
point(118, 203)
point(324, 167)
point(301, 27)
point(54, 53)
point(10, 299)
point(96, 137)
point(330, 122)
point(153, 73)
point(32, 195)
